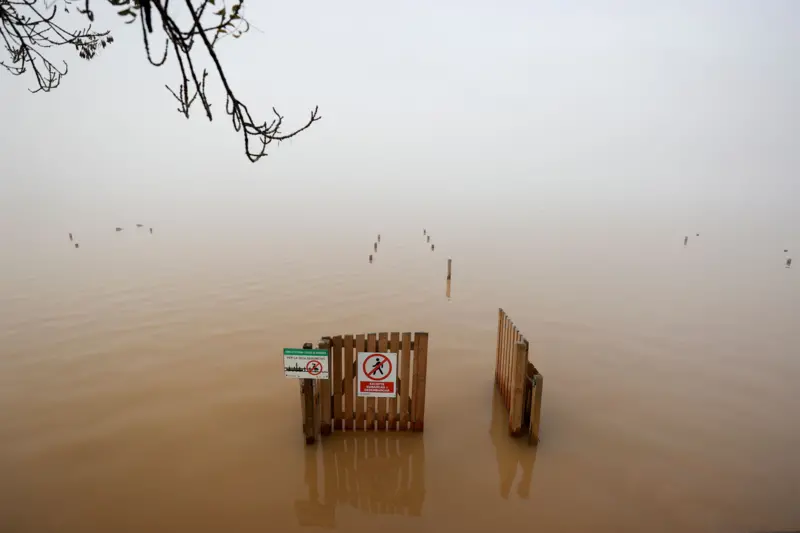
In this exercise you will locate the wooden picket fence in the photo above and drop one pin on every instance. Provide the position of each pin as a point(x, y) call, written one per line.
point(518, 380)
point(332, 404)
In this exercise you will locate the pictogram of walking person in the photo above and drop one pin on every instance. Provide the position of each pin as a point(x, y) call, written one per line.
point(377, 366)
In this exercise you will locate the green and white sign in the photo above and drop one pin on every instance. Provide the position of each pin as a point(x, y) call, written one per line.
point(305, 364)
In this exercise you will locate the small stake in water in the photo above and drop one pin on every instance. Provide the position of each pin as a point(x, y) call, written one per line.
point(698, 234)
point(789, 263)
point(119, 229)
point(449, 268)
point(376, 246)
point(370, 258)
point(77, 245)
point(151, 231)
point(429, 238)
point(379, 237)
point(70, 236)
point(431, 247)
point(424, 231)
point(685, 240)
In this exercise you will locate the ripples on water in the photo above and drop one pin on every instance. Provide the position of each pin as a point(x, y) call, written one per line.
point(141, 390)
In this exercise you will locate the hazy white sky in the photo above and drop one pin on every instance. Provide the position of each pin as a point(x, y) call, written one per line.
point(690, 107)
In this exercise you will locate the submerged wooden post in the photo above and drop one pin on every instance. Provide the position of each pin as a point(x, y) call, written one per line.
point(309, 410)
point(518, 371)
point(429, 238)
point(449, 268)
point(536, 408)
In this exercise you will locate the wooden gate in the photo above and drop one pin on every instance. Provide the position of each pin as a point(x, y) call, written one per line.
point(519, 381)
point(333, 405)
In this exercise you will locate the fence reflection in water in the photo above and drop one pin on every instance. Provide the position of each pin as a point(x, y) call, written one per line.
point(513, 455)
point(376, 473)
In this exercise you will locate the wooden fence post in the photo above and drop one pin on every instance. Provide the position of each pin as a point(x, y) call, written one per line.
point(309, 409)
point(519, 369)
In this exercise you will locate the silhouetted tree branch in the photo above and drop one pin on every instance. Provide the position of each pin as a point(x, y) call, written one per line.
point(28, 28)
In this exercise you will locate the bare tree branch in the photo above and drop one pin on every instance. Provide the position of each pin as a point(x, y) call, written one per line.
point(28, 28)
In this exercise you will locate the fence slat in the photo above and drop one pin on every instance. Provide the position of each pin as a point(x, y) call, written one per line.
point(512, 362)
point(405, 382)
point(394, 347)
point(500, 368)
point(347, 360)
point(506, 342)
point(325, 393)
point(507, 361)
point(383, 346)
point(361, 408)
point(499, 346)
point(420, 371)
point(337, 380)
point(518, 390)
point(372, 345)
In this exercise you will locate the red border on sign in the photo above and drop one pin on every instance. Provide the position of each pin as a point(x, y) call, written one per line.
point(318, 367)
point(369, 374)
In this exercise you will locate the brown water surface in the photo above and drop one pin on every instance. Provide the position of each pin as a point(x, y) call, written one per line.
point(141, 387)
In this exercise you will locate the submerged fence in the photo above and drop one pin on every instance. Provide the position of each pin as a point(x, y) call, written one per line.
point(334, 404)
point(518, 380)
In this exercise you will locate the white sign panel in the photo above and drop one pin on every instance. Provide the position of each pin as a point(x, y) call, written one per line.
point(377, 374)
point(305, 364)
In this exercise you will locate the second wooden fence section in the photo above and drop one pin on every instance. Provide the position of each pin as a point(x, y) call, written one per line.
point(519, 381)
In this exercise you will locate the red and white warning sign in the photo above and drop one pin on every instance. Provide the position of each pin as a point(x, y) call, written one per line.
point(377, 374)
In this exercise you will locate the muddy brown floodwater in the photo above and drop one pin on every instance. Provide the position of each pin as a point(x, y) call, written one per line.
point(141, 386)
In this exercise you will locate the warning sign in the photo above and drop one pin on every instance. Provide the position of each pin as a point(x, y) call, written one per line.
point(377, 374)
point(305, 364)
